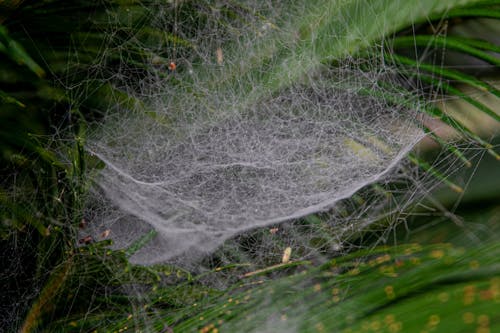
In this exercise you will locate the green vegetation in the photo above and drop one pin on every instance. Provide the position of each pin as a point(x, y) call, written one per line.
point(58, 76)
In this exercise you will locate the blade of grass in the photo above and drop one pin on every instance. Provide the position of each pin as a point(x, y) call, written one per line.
point(438, 113)
point(454, 150)
point(467, 46)
point(43, 305)
point(6, 98)
point(435, 112)
point(454, 91)
point(16, 52)
point(447, 73)
point(140, 242)
point(468, 12)
point(428, 168)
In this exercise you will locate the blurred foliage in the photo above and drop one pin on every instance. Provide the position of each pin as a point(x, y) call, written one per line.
point(58, 65)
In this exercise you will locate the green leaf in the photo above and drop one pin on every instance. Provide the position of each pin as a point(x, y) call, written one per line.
point(449, 74)
point(140, 242)
point(16, 52)
point(427, 167)
point(471, 47)
point(4, 97)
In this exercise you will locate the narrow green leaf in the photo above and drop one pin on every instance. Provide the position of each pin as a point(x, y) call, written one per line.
point(454, 91)
point(4, 97)
point(23, 215)
point(480, 106)
point(140, 242)
point(449, 42)
point(16, 52)
point(448, 73)
point(438, 113)
point(468, 12)
point(428, 168)
point(454, 150)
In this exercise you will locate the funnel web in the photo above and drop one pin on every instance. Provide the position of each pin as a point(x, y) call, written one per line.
point(218, 170)
point(248, 129)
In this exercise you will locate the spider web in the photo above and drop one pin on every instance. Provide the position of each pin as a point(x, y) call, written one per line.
point(220, 147)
